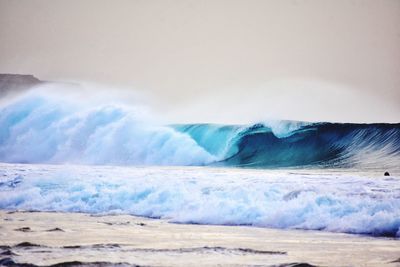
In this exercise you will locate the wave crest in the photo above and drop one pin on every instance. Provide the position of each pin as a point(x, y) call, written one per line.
point(39, 129)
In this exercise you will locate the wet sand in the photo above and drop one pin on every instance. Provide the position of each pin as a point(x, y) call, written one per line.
point(69, 239)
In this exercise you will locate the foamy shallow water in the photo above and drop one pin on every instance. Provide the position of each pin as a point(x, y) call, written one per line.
point(336, 201)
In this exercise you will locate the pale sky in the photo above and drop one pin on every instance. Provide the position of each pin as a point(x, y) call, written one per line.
point(222, 61)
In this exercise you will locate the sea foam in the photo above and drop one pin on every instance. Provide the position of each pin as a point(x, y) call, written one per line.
point(319, 200)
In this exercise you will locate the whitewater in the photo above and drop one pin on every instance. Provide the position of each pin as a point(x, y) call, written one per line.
point(329, 200)
point(58, 154)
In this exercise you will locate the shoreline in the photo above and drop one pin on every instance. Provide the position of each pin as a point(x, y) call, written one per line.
point(48, 238)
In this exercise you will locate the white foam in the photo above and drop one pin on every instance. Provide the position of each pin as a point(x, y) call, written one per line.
point(284, 128)
point(331, 201)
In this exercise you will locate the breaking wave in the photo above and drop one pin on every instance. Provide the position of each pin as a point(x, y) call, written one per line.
point(38, 128)
point(300, 144)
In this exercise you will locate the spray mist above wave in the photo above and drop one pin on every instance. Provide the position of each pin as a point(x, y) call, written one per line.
point(43, 127)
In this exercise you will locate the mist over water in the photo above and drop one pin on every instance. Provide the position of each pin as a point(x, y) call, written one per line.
point(310, 100)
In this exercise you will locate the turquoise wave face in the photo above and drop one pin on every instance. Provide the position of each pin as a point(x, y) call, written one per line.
point(300, 144)
point(38, 128)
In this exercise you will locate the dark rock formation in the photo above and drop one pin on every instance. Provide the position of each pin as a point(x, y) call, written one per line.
point(386, 174)
point(55, 230)
point(24, 229)
point(16, 83)
point(26, 244)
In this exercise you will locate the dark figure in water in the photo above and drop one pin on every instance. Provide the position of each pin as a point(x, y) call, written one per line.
point(386, 174)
